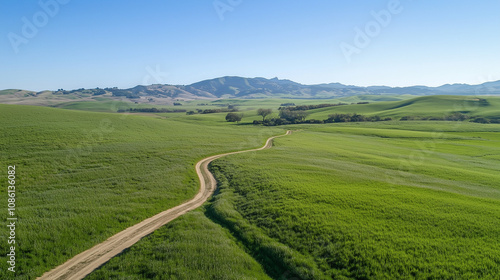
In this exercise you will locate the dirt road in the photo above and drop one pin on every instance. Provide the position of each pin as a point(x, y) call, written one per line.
point(84, 263)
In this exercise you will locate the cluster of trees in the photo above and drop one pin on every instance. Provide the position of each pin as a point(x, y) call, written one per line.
point(213, 111)
point(293, 116)
point(453, 117)
point(230, 109)
point(99, 91)
point(456, 117)
point(335, 118)
point(234, 117)
point(287, 116)
point(152, 110)
point(280, 121)
point(210, 111)
point(95, 92)
point(126, 93)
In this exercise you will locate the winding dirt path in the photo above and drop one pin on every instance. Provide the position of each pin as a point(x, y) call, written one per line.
point(84, 263)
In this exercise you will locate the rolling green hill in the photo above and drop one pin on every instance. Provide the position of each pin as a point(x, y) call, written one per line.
point(374, 200)
point(83, 176)
point(363, 201)
point(387, 200)
point(427, 106)
point(102, 104)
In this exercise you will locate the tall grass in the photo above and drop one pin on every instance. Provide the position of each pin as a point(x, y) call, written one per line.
point(427, 106)
point(190, 247)
point(372, 203)
point(84, 176)
point(391, 200)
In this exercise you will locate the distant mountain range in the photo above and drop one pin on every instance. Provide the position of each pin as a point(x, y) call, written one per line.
point(250, 88)
point(239, 87)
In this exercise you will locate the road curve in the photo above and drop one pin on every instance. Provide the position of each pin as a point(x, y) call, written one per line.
point(84, 263)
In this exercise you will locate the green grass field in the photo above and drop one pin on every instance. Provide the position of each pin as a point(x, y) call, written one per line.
point(428, 106)
point(106, 104)
point(368, 202)
point(83, 176)
point(190, 247)
point(396, 200)
point(385, 200)
point(392, 200)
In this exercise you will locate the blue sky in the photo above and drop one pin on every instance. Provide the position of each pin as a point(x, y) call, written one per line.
point(51, 44)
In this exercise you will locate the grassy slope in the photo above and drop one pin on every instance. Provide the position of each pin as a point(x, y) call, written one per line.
point(394, 200)
point(97, 106)
point(103, 104)
point(375, 200)
point(93, 150)
point(84, 176)
point(190, 247)
point(433, 106)
point(376, 203)
point(16, 91)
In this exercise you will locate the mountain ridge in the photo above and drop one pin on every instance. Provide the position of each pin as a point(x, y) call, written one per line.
point(251, 88)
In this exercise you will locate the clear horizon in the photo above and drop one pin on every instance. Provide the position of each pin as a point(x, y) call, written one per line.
point(51, 44)
point(111, 86)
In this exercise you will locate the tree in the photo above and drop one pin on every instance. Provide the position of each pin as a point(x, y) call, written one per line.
point(233, 117)
point(264, 113)
point(293, 116)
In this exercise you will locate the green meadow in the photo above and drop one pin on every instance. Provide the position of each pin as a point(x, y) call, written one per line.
point(372, 200)
point(83, 176)
point(369, 202)
point(190, 247)
point(427, 106)
point(385, 200)
point(106, 104)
